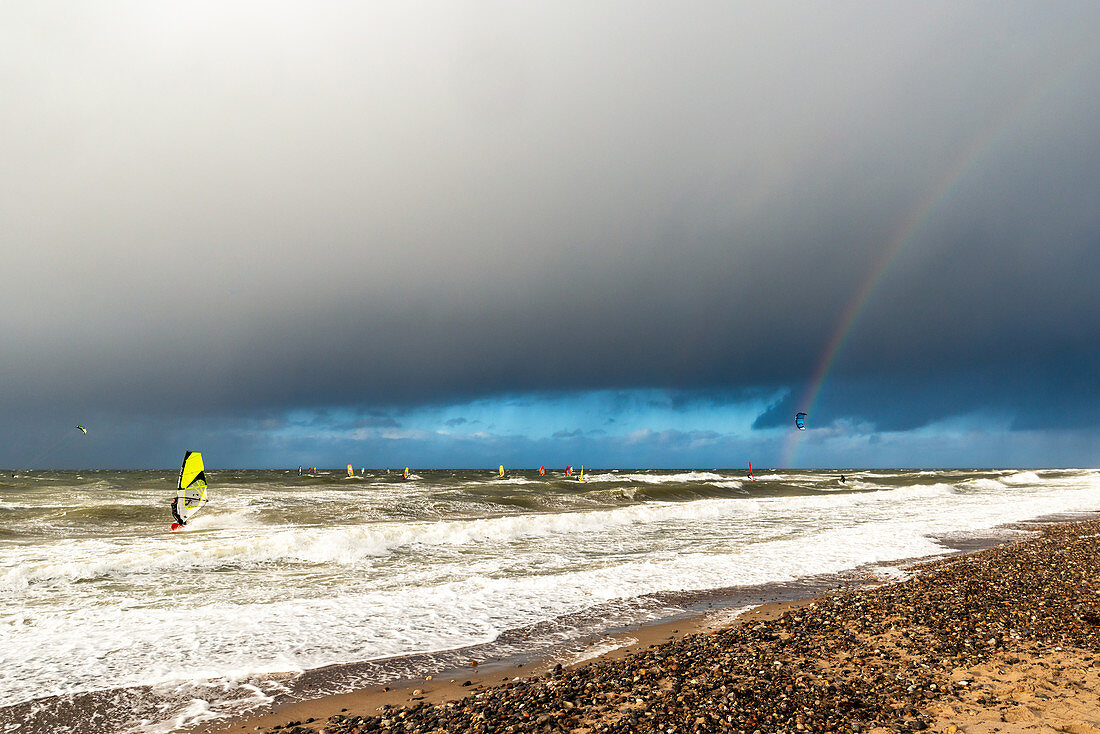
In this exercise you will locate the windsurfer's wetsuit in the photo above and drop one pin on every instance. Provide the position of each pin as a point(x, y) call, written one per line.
point(175, 512)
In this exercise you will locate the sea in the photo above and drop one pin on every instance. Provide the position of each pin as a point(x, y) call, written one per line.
point(288, 586)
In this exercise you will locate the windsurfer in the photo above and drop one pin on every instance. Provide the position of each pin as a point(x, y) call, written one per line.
point(175, 511)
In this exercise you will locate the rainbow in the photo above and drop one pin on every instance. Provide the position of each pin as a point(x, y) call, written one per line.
point(919, 214)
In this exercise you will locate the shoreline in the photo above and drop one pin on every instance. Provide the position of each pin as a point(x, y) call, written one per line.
point(453, 683)
point(456, 683)
point(520, 658)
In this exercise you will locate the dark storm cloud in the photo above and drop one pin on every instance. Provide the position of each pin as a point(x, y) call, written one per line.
point(373, 419)
point(219, 212)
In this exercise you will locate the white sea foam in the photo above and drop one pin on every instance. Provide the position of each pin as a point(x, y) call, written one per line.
point(600, 647)
point(771, 476)
point(850, 484)
point(639, 478)
point(1024, 477)
point(985, 483)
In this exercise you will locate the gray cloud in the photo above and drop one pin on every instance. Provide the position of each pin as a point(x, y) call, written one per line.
point(209, 211)
point(575, 433)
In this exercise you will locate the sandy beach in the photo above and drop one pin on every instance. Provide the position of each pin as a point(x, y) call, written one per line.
point(1001, 640)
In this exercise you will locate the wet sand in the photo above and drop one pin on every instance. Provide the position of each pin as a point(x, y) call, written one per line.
point(1000, 640)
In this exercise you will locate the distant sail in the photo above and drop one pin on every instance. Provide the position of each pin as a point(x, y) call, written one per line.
point(750, 471)
point(191, 489)
point(500, 472)
point(569, 470)
point(82, 428)
point(800, 421)
point(581, 477)
point(351, 472)
point(542, 471)
point(406, 472)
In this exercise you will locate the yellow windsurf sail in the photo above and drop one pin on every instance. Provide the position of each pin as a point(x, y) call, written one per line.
point(191, 489)
point(351, 472)
point(500, 473)
point(406, 472)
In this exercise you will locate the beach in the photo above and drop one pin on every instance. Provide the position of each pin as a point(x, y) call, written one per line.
point(1005, 639)
point(298, 589)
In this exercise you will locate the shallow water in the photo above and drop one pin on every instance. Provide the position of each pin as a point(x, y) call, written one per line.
point(281, 574)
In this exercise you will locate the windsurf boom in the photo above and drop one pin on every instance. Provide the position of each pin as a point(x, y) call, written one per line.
point(191, 488)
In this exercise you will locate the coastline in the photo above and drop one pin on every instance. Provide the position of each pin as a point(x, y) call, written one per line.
point(455, 684)
point(633, 649)
point(613, 641)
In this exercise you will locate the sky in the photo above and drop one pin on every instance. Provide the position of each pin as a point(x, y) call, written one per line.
point(623, 234)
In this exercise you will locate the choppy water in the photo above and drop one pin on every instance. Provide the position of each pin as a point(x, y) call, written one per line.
point(281, 574)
